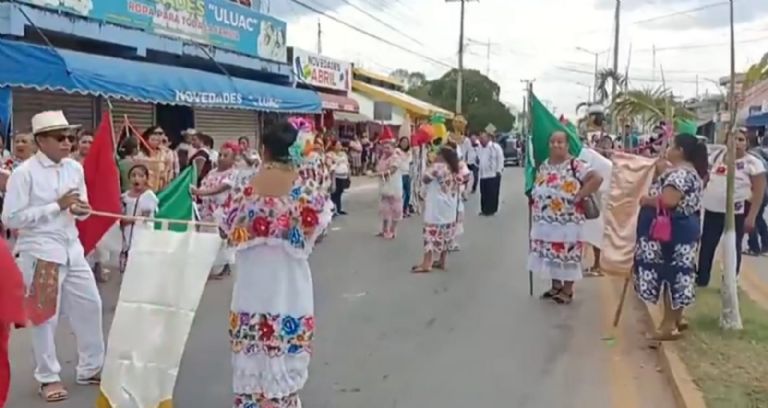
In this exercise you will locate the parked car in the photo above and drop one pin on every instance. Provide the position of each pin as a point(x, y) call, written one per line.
point(511, 147)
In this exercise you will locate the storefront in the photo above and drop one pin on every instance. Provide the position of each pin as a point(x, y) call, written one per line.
point(398, 110)
point(332, 80)
point(224, 106)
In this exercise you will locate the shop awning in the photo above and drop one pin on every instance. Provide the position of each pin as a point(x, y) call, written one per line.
point(339, 103)
point(400, 99)
point(43, 68)
point(759, 120)
point(351, 117)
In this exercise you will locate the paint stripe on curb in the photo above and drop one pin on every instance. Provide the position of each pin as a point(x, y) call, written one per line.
point(687, 393)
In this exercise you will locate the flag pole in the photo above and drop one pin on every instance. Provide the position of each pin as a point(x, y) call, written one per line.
point(528, 156)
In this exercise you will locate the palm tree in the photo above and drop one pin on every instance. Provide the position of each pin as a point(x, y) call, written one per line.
point(650, 106)
point(605, 77)
point(756, 72)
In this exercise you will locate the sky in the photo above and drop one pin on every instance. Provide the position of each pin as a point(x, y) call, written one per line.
point(539, 40)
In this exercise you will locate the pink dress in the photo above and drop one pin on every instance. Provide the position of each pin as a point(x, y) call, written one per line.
point(391, 187)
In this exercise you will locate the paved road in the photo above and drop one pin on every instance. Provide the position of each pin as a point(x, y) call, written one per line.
point(470, 336)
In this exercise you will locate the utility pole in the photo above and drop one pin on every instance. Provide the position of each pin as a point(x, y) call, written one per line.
point(488, 59)
point(460, 75)
point(526, 105)
point(319, 37)
point(617, 23)
point(697, 85)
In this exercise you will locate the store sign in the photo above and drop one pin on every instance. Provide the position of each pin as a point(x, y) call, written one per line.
point(321, 72)
point(218, 23)
point(235, 99)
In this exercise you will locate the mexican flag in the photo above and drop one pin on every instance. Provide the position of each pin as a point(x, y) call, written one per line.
point(543, 124)
point(175, 200)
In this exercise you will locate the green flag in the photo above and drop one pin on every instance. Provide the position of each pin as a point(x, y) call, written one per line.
point(176, 200)
point(686, 126)
point(543, 124)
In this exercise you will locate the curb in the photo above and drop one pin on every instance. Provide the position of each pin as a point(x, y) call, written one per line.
point(753, 285)
point(687, 393)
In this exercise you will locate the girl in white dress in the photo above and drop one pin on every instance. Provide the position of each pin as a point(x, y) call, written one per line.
point(140, 201)
point(274, 223)
point(442, 184)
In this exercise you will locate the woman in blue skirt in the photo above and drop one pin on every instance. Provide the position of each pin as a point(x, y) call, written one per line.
point(666, 269)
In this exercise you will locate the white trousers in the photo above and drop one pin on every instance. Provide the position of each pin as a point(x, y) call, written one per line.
point(80, 301)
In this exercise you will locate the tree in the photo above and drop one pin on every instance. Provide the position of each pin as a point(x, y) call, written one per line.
point(481, 99)
point(650, 106)
point(756, 72)
point(604, 78)
point(409, 79)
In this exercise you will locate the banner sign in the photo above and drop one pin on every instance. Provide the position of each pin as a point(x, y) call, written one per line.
point(321, 72)
point(219, 23)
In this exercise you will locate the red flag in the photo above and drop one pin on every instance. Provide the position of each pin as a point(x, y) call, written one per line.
point(102, 179)
point(11, 289)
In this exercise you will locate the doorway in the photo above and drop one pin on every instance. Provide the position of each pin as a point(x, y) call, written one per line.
point(174, 119)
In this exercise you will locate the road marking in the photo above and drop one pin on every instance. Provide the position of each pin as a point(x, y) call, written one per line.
point(623, 387)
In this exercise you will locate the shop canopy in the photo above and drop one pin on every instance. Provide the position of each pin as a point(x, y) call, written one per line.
point(407, 102)
point(759, 120)
point(44, 68)
point(351, 117)
point(339, 103)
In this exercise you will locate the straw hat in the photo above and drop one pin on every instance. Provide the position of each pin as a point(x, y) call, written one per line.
point(49, 121)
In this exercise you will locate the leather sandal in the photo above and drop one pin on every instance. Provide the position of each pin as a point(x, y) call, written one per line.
point(53, 392)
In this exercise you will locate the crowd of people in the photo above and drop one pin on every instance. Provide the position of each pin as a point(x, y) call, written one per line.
point(679, 226)
point(271, 205)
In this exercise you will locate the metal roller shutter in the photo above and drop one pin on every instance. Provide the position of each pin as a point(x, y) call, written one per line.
point(226, 124)
point(79, 109)
point(140, 115)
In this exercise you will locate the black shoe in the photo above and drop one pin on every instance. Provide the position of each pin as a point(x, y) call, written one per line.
point(342, 213)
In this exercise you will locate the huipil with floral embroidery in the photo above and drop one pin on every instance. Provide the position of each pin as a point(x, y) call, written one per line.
point(557, 220)
point(271, 323)
point(210, 205)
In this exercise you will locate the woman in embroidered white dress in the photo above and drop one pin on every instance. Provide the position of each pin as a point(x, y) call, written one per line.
point(442, 184)
point(562, 183)
point(274, 223)
point(215, 194)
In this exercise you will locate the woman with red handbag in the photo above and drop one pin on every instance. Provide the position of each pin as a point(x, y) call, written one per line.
point(668, 232)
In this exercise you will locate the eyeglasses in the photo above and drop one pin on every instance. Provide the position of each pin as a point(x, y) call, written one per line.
point(60, 138)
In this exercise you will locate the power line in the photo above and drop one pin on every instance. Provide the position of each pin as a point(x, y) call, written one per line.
point(371, 35)
point(382, 22)
point(682, 12)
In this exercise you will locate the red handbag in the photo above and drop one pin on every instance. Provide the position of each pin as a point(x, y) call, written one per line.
point(661, 227)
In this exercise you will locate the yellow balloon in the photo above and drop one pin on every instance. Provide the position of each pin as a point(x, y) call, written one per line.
point(440, 132)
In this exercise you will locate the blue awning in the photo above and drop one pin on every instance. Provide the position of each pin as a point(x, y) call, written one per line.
point(759, 120)
point(31, 66)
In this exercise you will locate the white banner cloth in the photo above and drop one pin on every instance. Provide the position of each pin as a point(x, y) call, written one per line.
point(593, 229)
point(161, 289)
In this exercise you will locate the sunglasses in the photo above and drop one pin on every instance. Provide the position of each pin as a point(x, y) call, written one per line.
point(61, 138)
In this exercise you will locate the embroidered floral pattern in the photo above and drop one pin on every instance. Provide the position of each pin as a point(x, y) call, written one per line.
point(438, 237)
point(672, 264)
point(274, 335)
point(261, 401)
point(563, 252)
point(554, 192)
point(293, 218)
point(683, 180)
point(209, 205)
point(449, 183)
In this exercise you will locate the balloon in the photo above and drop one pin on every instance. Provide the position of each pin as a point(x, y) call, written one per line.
point(437, 119)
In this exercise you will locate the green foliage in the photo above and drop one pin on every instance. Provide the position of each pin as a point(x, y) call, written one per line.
point(650, 105)
point(756, 72)
point(481, 99)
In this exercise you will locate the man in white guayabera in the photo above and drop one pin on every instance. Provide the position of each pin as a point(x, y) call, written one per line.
point(45, 195)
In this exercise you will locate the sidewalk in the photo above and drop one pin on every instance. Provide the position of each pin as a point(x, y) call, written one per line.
point(754, 279)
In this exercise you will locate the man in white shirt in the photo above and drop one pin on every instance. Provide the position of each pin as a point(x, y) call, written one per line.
point(45, 195)
point(469, 155)
point(491, 164)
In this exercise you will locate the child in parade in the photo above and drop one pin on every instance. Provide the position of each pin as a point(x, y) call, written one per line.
point(139, 201)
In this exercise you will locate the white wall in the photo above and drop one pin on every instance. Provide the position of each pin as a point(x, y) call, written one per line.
point(366, 108)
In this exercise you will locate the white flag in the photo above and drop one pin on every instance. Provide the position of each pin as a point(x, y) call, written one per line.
point(161, 289)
